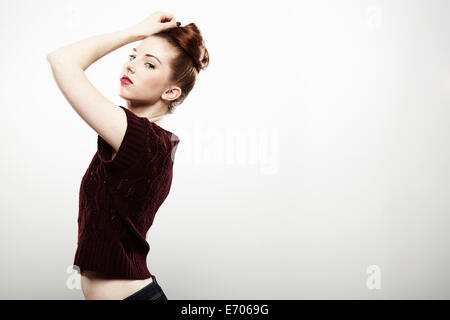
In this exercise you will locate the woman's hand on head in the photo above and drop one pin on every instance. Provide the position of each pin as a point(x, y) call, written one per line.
point(157, 22)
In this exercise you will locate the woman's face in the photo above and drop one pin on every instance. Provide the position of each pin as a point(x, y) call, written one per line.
point(150, 75)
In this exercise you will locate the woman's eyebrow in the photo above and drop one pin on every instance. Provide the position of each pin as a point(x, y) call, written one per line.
point(149, 55)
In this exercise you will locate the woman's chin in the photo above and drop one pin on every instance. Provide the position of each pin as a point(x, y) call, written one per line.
point(123, 95)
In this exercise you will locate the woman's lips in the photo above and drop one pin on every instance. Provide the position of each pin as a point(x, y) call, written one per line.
point(125, 80)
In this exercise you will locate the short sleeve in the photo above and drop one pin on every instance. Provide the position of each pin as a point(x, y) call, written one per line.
point(133, 145)
point(174, 140)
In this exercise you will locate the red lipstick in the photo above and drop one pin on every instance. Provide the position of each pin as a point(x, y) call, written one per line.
point(126, 80)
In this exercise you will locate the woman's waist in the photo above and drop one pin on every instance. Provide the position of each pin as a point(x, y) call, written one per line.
point(97, 285)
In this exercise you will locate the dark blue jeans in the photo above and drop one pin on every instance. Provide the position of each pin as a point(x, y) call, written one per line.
point(152, 291)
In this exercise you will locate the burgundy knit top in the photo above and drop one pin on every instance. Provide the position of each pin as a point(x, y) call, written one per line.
point(119, 198)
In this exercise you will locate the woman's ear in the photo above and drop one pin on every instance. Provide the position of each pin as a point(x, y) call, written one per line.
point(172, 94)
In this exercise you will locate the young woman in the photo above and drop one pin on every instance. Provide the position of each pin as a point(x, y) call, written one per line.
point(130, 175)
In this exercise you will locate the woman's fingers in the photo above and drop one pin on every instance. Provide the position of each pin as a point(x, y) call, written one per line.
point(166, 17)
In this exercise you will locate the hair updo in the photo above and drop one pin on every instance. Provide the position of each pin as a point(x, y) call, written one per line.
point(192, 57)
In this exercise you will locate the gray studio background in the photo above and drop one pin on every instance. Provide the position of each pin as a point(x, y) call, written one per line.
point(313, 161)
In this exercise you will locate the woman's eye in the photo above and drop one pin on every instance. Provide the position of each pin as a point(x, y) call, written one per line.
point(133, 56)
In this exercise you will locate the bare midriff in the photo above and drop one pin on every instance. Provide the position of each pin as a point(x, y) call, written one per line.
point(98, 286)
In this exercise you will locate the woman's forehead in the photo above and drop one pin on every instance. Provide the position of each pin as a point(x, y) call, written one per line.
point(152, 43)
point(154, 46)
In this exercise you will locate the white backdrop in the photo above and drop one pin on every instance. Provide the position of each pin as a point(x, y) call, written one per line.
point(313, 161)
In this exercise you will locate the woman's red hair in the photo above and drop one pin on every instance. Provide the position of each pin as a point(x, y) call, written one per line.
point(191, 58)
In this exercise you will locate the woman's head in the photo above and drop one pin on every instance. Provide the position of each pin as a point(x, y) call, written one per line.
point(166, 77)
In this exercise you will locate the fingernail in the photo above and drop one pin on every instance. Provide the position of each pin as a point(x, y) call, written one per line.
point(178, 24)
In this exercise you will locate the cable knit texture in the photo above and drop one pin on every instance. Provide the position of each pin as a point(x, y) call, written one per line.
point(119, 199)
